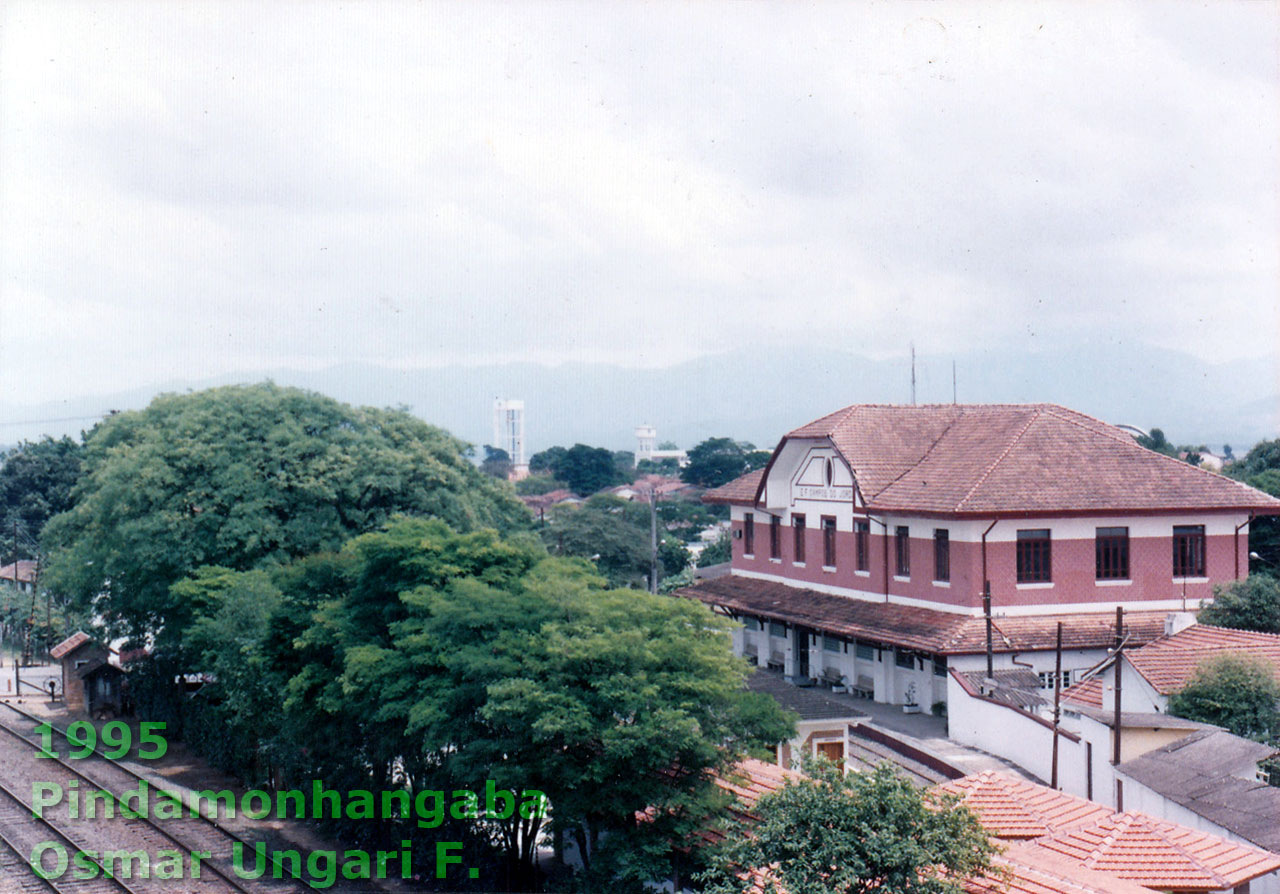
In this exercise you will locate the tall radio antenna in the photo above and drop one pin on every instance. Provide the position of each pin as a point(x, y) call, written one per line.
point(913, 374)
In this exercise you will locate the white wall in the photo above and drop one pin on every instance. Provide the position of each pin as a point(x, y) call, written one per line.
point(1012, 735)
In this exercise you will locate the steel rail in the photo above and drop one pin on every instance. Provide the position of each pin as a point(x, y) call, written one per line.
point(66, 839)
point(115, 798)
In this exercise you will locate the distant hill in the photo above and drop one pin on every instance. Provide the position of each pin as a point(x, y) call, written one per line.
point(758, 395)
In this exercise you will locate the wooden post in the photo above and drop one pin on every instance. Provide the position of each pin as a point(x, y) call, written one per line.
point(1057, 701)
point(1119, 665)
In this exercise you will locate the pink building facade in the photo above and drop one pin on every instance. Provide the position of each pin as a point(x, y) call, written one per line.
point(913, 512)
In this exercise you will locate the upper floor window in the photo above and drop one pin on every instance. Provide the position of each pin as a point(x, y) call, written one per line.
point(797, 534)
point(902, 549)
point(1188, 551)
point(829, 541)
point(1112, 551)
point(1034, 565)
point(748, 534)
point(861, 536)
point(832, 644)
point(777, 628)
point(775, 537)
point(941, 555)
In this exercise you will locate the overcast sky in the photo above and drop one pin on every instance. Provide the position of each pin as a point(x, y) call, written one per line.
point(189, 189)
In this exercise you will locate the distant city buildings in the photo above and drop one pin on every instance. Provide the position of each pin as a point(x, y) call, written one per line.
point(508, 434)
point(647, 447)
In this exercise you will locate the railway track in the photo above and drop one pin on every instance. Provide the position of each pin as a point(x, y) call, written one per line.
point(21, 832)
point(185, 834)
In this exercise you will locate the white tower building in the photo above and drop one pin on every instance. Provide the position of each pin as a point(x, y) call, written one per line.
point(508, 430)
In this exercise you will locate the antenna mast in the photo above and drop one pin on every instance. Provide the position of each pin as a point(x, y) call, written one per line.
point(953, 382)
point(913, 374)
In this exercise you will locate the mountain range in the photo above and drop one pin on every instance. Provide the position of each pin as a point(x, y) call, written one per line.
point(757, 394)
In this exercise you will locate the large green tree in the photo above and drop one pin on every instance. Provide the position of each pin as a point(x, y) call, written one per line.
point(584, 470)
point(1260, 468)
point(718, 461)
point(243, 477)
point(617, 535)
point(461, 658)
point(1235, 691)
point(36, 480)
point(1249, 604)
point(855, 834)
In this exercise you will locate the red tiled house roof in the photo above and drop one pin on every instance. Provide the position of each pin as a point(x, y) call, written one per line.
point(739, 490)
point(1086, 692)
point(1014, 808)
point(22, 571)
point(912, 627)
point(1169, 663)
point(69, 645)
point(1161, 855)
point(979, 460)
point(1027, 869)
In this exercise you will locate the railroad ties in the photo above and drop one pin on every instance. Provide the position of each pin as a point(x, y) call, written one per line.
point(184, 844)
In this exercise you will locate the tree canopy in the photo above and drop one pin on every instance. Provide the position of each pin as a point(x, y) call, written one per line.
point(616, 535)
point(584, 470)
point(36, 480)
point(855, 834)
point(1249, 604)
point(1235, 691)
point(1260, 468)
point(463, 657)
point(247, 476)
point(718, 461)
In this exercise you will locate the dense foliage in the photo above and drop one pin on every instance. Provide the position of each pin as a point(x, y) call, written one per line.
point(428, 659)
point(855, 834)
point(246, 477)
point(1235, 691)
point(584, 470)
point(1249, 604)
point(1260, 468)
point(718, 461)
point(36, 479)
point(617, 535)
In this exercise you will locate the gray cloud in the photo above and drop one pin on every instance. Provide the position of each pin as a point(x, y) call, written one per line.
point(191, 189)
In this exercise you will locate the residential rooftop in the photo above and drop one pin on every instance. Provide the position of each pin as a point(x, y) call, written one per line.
point(986, 459)
point(1169, 662)
point(1210, 773)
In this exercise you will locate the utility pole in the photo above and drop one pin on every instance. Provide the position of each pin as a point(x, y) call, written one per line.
point(1057, 711)
point(986, 611)
point(653, 538)
point(1119, 665)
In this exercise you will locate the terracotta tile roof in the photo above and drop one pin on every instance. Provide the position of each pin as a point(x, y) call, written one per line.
point(69, 645)
point(1009, 807)
point(23, 571)
point(1169, 662)
point(1028, 869)
point(983, 459)
point(739, 490)
point(1086, 692)
point(752, 778)
point(1160, 855)
point(911, 627)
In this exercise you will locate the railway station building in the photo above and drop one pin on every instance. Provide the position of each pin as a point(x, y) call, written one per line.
point(870, 552)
